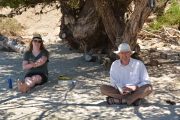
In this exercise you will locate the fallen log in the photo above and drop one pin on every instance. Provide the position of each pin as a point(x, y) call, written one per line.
point(11, 44)
point(159, 63)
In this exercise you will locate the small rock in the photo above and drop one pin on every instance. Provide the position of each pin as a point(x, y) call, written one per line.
point(170, 102)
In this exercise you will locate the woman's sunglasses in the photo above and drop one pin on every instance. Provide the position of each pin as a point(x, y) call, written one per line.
point(39, 41)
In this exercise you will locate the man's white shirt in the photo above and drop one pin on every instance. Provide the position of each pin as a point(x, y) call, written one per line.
point(135, 73)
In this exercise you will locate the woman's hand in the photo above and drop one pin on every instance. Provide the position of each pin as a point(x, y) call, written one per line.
point(33, 65)
point(40, 61)
point(27, 65)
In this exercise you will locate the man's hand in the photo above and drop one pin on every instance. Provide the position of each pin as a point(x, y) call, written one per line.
point(129, 88)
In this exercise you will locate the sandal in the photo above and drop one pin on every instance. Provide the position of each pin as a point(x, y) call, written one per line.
point(111, 101)
point(137, 102)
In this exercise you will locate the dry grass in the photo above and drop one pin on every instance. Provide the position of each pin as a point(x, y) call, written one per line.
point(10, 26)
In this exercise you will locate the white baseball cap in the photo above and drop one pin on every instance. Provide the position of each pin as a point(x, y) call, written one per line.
point(123, 47)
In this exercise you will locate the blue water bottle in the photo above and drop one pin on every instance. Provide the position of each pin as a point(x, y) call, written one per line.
point(10, 82)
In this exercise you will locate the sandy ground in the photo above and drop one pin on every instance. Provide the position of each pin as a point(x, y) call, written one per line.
point(46, 24)
point(84, 101)
point(53, 101)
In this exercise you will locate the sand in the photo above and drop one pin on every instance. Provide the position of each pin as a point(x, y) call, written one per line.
point(53, 101)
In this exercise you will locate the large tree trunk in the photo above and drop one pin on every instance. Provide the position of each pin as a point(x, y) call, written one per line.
point(136, 21)
point(83, 30)
point(113, 19)
point(102, 25)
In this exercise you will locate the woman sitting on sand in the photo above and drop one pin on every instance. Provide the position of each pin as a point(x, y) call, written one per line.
point(35, 63)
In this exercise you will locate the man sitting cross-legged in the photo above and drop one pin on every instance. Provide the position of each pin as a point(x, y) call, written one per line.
point(130, 75)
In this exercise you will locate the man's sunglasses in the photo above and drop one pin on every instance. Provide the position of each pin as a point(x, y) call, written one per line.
point(39, 41)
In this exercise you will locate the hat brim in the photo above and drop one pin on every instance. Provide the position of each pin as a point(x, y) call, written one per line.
point(37, 38)
point(117, 52)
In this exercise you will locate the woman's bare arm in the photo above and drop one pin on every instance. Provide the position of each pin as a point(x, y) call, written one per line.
point(26, 65)
point(40, 61)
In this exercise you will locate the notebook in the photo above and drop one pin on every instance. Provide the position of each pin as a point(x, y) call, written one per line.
point(120, 89)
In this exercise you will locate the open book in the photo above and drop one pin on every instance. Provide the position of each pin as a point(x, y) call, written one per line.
point(120, 89)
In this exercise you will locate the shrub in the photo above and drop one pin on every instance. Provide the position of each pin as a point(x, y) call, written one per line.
point(170, 17)
point(10, 26)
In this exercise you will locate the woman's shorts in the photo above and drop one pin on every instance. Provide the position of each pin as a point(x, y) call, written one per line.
point(44, 77)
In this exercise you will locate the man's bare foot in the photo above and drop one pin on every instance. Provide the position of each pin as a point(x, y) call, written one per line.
point(22, 87)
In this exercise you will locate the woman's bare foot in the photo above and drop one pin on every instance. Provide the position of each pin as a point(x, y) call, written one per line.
point(22, 87)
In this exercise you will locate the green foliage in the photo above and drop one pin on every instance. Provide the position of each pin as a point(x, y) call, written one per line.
point(12, 3)
point(18, 3)
point(74, 3)
point(10, 26)
point(171, 17)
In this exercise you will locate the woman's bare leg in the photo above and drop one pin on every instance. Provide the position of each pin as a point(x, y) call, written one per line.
point(29, 83)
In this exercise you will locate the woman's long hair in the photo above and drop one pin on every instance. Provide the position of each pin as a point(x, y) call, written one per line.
point(31, 46)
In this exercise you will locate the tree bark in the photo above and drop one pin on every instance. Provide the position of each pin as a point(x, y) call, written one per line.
point(136, 21)
point(102, 24)
point(113, 19)
point(83, 30)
